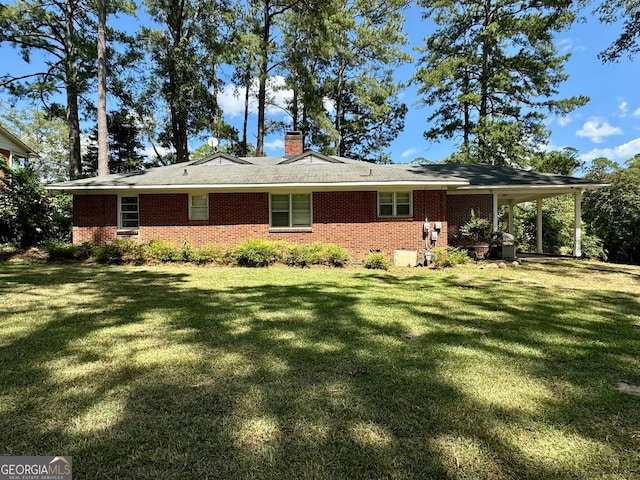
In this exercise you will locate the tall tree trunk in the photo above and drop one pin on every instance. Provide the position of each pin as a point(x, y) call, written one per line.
point(245, 120)
point(262, 78)
point(340, 110)
point(103, 132)
point(484, 86)
point(75, 158)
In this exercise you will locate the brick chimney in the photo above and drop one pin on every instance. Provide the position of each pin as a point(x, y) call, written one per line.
point(293, 143)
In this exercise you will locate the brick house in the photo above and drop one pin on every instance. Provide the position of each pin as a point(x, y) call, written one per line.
point(302, 197)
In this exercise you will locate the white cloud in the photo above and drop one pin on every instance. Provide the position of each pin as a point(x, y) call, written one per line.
point(596, 129)
point(409, 152)
point(621, 152)
point(623, 108)
point(151, 153)
point(231, 98)
point(566, 120)
point(277, 144)
point(565, 45)
point(329, 105)
point(636, 112)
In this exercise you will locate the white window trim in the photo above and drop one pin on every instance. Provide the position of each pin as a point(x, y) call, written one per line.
point(191, 195)
point(290, 226)
point(120, 226)
point(395, 205)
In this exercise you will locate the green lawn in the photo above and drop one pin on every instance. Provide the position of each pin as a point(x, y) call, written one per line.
point(192, 372)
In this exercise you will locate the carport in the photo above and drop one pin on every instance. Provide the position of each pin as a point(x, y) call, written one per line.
point(510, 187)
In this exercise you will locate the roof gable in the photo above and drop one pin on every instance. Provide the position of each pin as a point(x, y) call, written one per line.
point(309, 158)
point(220, 158)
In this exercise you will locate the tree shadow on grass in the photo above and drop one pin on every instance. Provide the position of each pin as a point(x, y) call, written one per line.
point(148, 376)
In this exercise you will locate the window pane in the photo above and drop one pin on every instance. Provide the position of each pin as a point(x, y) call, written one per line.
point(386, 210)
point(199, 200)
point(199, 207)
point(301, 202)
point(280, 219)
point(129, 212)
point(403, 210)
point(386, 198)
point(280, 203)
point(301, 219)
point(402, 197)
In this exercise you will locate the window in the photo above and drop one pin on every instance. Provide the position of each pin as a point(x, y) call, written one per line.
point(199, 207)
point(129, 214)
point(394, 204)
point(291, 210)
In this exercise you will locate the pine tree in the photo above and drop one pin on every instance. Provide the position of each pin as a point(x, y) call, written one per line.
point(491, 73)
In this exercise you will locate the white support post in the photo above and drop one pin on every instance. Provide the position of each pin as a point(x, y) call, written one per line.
point(495, 212)
point(511, 217)
point(539, 226)
point(577, 199)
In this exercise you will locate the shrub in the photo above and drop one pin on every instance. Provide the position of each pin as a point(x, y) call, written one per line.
point(331, 254)
point(317, 253)
point(161, 251)
point(476, 230)
point(186, 253)
point(593, 247)
point(257, 253)
point(211, 253)
point(57, 250)
point(29, 215)
point(298, 256)
point(449, 257)
point(120, 251)
point(377, 260)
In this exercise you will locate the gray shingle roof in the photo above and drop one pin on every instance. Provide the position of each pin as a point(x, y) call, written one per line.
point(316, 171)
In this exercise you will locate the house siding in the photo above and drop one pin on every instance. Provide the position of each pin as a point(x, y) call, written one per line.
point(459, 211)
point(347, 218)
point(95, 218)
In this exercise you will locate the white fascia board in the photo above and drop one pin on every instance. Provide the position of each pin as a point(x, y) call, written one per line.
point(486, 189)
point(261, 187)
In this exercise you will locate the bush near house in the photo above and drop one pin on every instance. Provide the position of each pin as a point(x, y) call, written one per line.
point(252, 253)
point(29, 215)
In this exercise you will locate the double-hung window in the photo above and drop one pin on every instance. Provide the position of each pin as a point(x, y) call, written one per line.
point(394, 204)
point(129, 216)
point(291, 210)
point(199, 207)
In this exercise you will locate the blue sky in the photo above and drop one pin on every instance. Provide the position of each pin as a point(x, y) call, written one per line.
point(609, 125)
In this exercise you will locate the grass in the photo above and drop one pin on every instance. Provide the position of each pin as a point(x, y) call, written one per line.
point(185, 372)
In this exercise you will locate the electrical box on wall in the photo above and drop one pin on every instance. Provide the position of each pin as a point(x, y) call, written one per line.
point(438, 226)
point(434, 235)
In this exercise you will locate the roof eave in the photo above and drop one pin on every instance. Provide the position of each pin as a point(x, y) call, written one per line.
point(264, 186)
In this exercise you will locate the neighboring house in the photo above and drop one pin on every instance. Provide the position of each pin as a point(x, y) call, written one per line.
point(303, 197)
point(12, 147)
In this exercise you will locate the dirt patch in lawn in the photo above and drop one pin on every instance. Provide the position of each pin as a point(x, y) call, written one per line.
point(628, 388)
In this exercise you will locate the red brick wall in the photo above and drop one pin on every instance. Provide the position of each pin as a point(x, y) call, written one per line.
point(95, 218)
point(459, 211)
point(347, 218)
